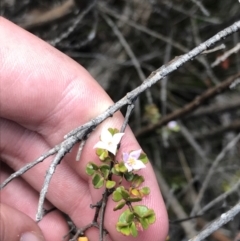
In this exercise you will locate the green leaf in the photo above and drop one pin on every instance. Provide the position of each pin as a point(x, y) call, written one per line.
point(134, 199)
point(122, 168)
point(143, 157)
point(91, 168)
point(120, 188)
point(123, 216)
point(133, 230)
point(125, 194)
point(141, 210)
point(150, 216)
point(115, 172)
point(123, 228)
point(145, 190)
point(116, 196)
point(129, 221)
point(116, 167)
point(120, 205)
point(126, 224)
point(102, 154)
point(129, 176)
point(129, 217)
point(110, 184)
point(97, 181)
point(105, 169)
point(137, 180)
point(144, 223)
point(146, 215)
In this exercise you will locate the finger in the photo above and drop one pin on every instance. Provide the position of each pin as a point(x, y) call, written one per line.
point(53, 226)
point(62, 108)
point(17, 226)
point(36, 78)
point(66, 186)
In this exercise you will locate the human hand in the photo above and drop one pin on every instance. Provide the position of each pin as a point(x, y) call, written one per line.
point(43, 95)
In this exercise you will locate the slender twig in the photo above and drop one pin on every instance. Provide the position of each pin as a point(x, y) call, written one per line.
point(157, 35)
point(216, 108)
point(196, 146)
point(175, 205)
point(130, 53)
point(27, 167)
point(66, 147)
point(90, 37)
point(205, 183)
point(217, 48)
point(191, 140)
point(210, 93)
point(181, 9)
point(234, 125)
point(80, 149)
point(74, 24)
point(235, 83)
point(223, 57)
point(186, 169)
point(212, 133)
point(202, 59)
point(35, 18)
point(163, 93)
point(127, 116)
point(102, 214)
point(139, 27)
point(215, 225)
point(81, 145)
point(220, 198)
point(236, 41)
point(201, 7)
point(163, 89)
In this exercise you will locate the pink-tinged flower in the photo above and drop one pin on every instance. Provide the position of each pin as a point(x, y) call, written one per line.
point(173, 126)
point(132, 162)
point(108, 141)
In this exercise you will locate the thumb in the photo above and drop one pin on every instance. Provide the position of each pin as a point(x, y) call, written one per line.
point(16, 226)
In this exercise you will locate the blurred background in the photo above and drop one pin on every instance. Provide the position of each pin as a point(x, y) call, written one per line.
point(188, 123)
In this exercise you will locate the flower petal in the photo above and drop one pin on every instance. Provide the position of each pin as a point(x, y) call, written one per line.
point(125, 156)
point(135, 154)
point(139, 165)
point(101, 145)
point(106, 136)
point(117, 138)
point(112, 148)
point(128, 167)
point(172, 124)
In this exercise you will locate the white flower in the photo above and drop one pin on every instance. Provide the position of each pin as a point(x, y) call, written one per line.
point(108, 141)
point(173, 126)
point(131, 160)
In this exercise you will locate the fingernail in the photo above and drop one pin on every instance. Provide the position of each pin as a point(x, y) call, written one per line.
point(31, 236)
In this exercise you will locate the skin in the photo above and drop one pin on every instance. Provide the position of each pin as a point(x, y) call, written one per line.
point(43, 95)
